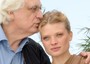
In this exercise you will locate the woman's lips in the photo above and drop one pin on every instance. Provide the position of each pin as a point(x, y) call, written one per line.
point(55, 49)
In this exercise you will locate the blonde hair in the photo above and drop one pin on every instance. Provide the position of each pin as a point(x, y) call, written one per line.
point(7, 6)
point(55, 16)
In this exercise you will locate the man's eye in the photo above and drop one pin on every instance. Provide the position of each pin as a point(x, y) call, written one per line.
point(34, 9)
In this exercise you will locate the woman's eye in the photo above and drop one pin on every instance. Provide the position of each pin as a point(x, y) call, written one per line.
point(46, 38)
point(59, 35)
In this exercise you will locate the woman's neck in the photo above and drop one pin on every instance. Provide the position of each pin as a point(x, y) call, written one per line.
point(61, 59)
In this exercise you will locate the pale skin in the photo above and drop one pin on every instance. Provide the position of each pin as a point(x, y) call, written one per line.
point(24, 22)
point(55, 39)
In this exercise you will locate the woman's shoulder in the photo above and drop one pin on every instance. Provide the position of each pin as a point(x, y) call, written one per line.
point(76, 59)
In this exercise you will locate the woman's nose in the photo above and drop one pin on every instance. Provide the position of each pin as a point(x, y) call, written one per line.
point(54, 41)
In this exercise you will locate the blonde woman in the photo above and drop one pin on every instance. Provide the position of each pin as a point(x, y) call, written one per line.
point(56, 35)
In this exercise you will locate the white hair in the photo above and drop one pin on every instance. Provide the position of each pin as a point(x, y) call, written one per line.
point(7, 6)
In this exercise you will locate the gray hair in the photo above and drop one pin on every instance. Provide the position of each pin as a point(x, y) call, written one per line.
point(7, 6)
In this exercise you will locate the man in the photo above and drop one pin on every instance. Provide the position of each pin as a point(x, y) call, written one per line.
point(20, 19)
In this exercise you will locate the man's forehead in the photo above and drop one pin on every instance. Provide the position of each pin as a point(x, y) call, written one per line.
point(31, 3)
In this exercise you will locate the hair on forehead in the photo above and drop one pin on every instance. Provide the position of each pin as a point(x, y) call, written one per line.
point(55, 16)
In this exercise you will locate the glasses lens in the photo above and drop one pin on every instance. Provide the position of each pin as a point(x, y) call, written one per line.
point(43, 9)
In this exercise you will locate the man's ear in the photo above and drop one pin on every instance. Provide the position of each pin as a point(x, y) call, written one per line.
point(11, 16)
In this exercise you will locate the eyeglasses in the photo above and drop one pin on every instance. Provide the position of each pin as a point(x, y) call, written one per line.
point(37, 8)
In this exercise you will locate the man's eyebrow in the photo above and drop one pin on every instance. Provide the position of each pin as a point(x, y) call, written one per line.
point(36, 5)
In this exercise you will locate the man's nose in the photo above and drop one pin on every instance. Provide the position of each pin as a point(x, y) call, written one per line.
point(40, 14)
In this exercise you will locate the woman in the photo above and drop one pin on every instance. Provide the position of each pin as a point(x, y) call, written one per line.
point(56, 35)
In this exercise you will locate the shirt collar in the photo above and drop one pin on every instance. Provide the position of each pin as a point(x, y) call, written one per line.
point(23, 42)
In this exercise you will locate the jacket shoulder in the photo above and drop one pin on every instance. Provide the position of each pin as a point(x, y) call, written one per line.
point(34, 53)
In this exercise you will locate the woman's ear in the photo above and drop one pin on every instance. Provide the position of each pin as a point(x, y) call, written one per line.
point(71, 35)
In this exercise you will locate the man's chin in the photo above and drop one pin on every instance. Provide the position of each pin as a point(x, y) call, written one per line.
point(36, 31)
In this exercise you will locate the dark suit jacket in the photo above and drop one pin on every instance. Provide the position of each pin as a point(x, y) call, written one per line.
point(34, 54)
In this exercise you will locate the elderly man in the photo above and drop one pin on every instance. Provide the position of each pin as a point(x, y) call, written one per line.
point(18, 20)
